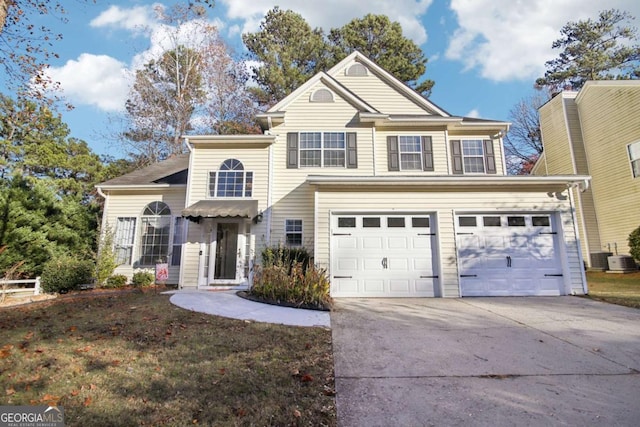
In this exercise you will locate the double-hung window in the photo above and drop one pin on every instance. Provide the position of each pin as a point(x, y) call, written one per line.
point(293, 232)
point(179, 234)
point(231, 180)
point(634, 158)
point(473, 156)
point(322, 149)
point(410, 148)
point(123, 239)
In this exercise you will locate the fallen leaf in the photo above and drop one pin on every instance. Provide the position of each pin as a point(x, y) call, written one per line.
point(74, 392)
point(296, 413)
point(87, 401)
point(29, 335)
point(222, 371)
point(115, 362)
point(93, 387)
point(72, 328)
point(306, 378)
point(10, 391)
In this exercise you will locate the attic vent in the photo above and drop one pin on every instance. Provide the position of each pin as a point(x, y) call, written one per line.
point(322, 95)
point(357, 70)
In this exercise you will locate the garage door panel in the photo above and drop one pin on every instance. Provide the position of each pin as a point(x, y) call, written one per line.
point(387, 260)
point(514, 258)
point(398, 243)
point(372, 242)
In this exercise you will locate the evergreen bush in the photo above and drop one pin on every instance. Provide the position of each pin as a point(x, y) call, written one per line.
point(634, 244)
point(116, 281)
point(143, 278)
point(66, 273)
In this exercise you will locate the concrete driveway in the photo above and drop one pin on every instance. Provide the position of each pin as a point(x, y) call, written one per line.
point(486, 361)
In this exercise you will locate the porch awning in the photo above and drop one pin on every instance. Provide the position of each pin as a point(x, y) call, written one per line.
point(221, 209)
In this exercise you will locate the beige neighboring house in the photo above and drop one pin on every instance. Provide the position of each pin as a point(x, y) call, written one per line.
point(596, 132)
point(393, 195)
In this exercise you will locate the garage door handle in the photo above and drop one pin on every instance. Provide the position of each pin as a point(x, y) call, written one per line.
point(553, 275)
point(342, 277)
point(342, 234)
point(384, 262)
point(468, 275)
point(552, 232)
point(428, 277)
point(508, 261)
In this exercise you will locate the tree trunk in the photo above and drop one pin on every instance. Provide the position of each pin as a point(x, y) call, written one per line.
point(4, 11)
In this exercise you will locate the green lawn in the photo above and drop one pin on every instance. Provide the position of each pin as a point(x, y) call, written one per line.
point(621, 289)
point(135, 359)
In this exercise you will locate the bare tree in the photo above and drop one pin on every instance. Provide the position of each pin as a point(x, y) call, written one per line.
point(523, 142)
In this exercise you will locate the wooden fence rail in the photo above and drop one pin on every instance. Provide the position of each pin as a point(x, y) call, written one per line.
point(9, 287)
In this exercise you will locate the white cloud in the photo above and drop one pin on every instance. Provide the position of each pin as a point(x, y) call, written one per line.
point(473, 114)
point(335, 13)
point(97, 80)
point(134, 19)
point(511, 40)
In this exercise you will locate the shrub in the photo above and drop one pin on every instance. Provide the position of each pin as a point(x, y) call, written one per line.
point(116, 281)
point(143, 278)
point(105, 258)
point(293, 284)
point(282, 255)
point(65, 273)
point(634, 244)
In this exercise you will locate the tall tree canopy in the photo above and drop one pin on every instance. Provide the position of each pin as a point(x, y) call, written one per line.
point(594, 50)
point(289, 51)
point(383, 42)
point(47, 203)
point(195, 85)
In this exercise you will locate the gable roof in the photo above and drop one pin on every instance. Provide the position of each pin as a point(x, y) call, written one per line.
point(168, 172)
point(276, 112)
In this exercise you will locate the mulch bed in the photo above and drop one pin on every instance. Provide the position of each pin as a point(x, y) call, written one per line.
point(250, 297)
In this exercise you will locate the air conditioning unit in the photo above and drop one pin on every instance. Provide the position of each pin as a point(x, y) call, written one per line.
point(599, 260)
point(621, 263)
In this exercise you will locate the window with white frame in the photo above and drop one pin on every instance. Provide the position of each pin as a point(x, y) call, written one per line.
point(293, 232)
point(155, 228)
point(634, 158)
point(123, 239)
point(322, 149)
point(410, 149)
point(473, 156)
point(179, 234)
point(231, 180)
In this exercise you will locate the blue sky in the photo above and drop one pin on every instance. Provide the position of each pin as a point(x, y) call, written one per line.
point(484, 55)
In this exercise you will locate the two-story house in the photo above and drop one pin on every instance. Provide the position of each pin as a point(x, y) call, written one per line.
point(393, 195)
point(596, 132)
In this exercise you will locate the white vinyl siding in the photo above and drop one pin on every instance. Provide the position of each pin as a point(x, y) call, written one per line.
point(130, 204)
point(447, 205)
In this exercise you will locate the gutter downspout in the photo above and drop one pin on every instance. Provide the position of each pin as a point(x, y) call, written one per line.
point(583, 275)
point(186, 204)
point(104, 210)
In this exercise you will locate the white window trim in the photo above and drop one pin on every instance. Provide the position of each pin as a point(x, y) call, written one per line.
point(630, 150)
point(287, 232)
point(140, 233)
point(131, 245)
point(481, 156)
point(214, 185)
point(322, 149)
point(420, 152)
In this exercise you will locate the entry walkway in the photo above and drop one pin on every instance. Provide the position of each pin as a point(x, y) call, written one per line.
point(228, 304)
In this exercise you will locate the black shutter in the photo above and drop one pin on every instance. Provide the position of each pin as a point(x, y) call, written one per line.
point(489, 157)
point(427, 153)
point(456, 157)
point(352, 150)
point(292, 150)
point(393, 157)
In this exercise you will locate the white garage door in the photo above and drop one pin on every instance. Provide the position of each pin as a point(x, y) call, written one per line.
point(508, 255)
point(386, 255)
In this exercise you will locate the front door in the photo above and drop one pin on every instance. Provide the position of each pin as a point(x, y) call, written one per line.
point(226, 251)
